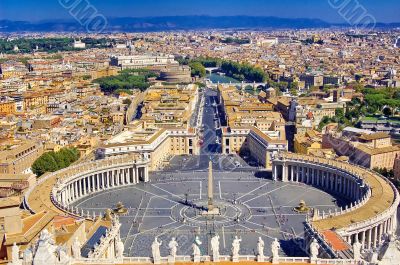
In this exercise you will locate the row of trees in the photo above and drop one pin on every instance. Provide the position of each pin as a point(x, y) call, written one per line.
point(197, 69)
point(340, 117)
point(243, 71)
point(377, 99)
point(49, 44)
point(53, 161)
point(382, 101)
point(239, 71)
point(126, 81)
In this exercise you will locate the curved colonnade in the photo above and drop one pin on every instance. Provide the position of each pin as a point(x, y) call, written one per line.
point(373, 199)
point(68, 185)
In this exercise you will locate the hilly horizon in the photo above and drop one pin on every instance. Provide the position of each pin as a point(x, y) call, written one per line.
point(170, 23)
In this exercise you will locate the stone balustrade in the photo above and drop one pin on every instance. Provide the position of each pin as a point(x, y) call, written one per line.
point(224, 258)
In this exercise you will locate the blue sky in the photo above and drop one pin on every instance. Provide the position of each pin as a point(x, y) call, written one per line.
point(33, 10)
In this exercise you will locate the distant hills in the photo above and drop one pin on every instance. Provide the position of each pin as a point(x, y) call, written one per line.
point(145, 24)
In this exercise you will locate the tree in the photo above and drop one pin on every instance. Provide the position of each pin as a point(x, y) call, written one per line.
point(198, 69)
point(278, 91)
point(324, 121)
point(53, 161)
point(45, 163)
point(127, 101)
point(294, 85)
point(126, 80)
point(339, 113)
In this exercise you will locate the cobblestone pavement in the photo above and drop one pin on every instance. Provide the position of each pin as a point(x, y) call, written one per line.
point(170, 206)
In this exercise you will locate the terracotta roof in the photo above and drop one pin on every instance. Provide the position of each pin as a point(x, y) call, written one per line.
point(10, 202)
point(60, 221)
point(335, 241)
point(31, 226)
point(374, 136)
point(377, 151)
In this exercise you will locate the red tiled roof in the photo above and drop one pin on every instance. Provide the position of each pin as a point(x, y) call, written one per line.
point(334, 240)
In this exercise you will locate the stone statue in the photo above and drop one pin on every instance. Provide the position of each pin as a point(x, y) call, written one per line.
point(15, 255)
point(46, 249)
point(314, 249)
point(28, 256)
point(275, 246)
point(357, 250)
point(260, 247)
point(15, 252)
point(119, 248)
point(196, 246)
point(62, 255)
point(215, 247)
point(236, 246)
point(155, 250)
point(173, 247)
point(76, 249)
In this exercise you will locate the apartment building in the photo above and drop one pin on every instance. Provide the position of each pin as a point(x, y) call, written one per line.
point(251, 141)
point(306, 143)
point(142, 61)
point(17, 156)
point(157, 144)
point(7, 107)
point(372, 150)
point(253, 127)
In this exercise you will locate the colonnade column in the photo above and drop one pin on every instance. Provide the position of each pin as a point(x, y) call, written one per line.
point(363, 239)
point(97, 181)
point(274, 172)
point(291, 173)
point(284, 173)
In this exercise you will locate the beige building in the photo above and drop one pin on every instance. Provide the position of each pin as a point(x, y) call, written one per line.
point(163, 130)
point(17, 156)
point(15, 184)
point(169, 105)
point(157, 144)
point(305, 143)
point(253, 127)
point(10, 215)
point(375, 157)
point(373, 150)
point(312, 109)
point(253, 142)
point(142, 61)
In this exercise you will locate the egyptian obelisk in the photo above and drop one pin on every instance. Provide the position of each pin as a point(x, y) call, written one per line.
point(210, 188)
